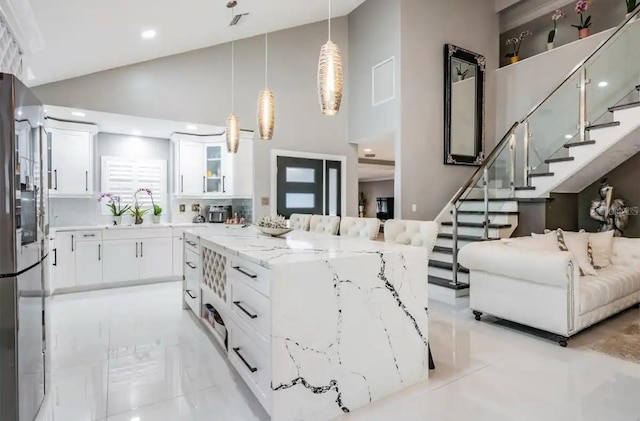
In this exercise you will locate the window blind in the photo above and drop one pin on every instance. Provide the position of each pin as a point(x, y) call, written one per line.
point(123, 176)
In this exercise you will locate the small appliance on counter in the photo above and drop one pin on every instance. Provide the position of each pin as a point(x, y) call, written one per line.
point(219, 214)
point(199, 219)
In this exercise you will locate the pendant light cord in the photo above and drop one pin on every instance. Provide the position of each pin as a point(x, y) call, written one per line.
point(329, 19)
point(233, 68)
point(266, 59)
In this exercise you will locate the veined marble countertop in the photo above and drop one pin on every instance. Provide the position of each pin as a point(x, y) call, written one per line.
point(297, 246)
point(132, 226)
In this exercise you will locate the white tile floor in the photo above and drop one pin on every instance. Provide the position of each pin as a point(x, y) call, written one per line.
point(134, 355)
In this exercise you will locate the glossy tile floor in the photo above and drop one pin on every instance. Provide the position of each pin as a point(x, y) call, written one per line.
point(134, 355)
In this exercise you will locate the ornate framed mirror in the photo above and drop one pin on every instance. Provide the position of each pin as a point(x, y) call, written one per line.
point(464, 90)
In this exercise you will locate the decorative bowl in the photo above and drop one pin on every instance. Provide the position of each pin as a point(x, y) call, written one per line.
point(274, 232)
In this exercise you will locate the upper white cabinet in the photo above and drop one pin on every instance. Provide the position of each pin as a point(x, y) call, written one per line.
point(70, 152)
point(204, 169)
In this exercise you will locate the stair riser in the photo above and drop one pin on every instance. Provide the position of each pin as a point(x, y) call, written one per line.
point(474, 232)
point(447, 274)
point(441, 257)
point(510, 206)
point(445, 242)
point(494, 219)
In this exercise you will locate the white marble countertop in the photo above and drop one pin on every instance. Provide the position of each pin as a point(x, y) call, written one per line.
point(132, 226)
point(297, 246)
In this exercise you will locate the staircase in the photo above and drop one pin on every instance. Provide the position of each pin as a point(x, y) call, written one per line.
point(585, 128)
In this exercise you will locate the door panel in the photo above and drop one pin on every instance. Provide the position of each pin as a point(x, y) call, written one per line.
point(64, 261)
point(88, 263)
point(120, 260)
point(178, 256)
point(190, 180)
point(155, 258)
point(71, 160)
point(333, 188)
point(300, 186)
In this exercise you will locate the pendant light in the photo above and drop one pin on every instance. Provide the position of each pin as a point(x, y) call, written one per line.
point(266, 101)
point(233, 124)
point(330, 81)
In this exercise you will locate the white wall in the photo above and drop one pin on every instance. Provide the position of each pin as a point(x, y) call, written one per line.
point(195, 87)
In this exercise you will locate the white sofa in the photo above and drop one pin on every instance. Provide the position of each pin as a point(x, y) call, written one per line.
point(543, 289)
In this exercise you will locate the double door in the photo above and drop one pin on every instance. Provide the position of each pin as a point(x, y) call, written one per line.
point(131, 259)
point(70, 156)
point(202, 169)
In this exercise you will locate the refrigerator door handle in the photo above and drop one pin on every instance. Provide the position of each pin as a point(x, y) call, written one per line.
point(55, 179)
point(86, 181)
point(72, 241)
point(55, 257)
point(136, 249)
point(99, 252)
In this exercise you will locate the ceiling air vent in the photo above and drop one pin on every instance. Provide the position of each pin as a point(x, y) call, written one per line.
point(236, 18)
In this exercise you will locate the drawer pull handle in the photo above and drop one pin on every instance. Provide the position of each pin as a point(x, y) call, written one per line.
point(191, 243)
point(190, 294)
point(191, 265)
point(245, 272)
point(251, 368)
point(88, 235)
point(244, 310)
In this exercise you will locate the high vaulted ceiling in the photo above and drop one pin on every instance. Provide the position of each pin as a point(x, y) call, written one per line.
point(68, 38)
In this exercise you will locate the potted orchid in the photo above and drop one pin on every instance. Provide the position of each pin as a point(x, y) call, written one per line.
point(631, 6)
point(461, 74)
point(115, 206)
point(584, 28)
point(156, 209)
point(557, 15)
point(516, 43)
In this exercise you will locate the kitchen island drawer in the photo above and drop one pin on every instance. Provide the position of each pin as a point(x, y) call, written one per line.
point(253, 310)
point(251, 274)
point(191, 243)
point(89, 235)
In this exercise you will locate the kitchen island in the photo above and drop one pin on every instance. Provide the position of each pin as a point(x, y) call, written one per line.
point(317, 325)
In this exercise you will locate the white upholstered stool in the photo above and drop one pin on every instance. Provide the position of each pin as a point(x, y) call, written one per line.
point(360, 227)
point(325, 224)
point(299, 221)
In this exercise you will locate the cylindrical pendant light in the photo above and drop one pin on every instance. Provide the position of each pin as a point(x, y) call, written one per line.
point(266, 101)
point(330, 82)
point(233, 124)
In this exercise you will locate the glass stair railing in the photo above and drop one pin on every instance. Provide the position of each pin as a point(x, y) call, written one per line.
point(607, 80)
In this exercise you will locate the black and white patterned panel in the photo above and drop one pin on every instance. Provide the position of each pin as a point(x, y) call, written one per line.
point(214, 272)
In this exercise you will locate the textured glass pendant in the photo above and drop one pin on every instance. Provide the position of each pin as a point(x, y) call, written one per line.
point(233, 133)
point(330, 82)
point(266, 101)
point(266, 114)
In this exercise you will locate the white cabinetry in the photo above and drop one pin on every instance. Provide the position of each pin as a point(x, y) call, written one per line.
point(88, 263)
point(190, 169)
point(155, 258)
point(64, 261)
point(71, 159)
point(178, 256)
point(120, 260)
point(241, 182)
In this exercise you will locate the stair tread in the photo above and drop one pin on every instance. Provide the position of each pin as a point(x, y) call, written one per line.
point(603, 125)
point(624, 106)
point(448, 266)
point(465, 212)
point(575, 144)
point(542, 174)
point(525, 188)
point(446, 283)
point(440, 249)
point(514, 199)
point(465, 237)
point(563, 159)
point(476, 225)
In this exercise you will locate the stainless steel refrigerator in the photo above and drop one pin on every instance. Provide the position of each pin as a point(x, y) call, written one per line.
point(23, 250)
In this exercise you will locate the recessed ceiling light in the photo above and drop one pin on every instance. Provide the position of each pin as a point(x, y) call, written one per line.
point(78, 113)
point(367, 150)
point(568, 136)
point(136, 132)
point(19, 112)
point(192, 127)
point(45, 111)
point(603, 84)
point(135, 419)
point(149, 34)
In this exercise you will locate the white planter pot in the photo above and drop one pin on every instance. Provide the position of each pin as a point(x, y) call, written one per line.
point(117, 220)
point(156, 219)
point(550, 46)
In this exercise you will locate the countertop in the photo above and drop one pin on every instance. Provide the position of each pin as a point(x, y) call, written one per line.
point(297, 246)
point(131, 226)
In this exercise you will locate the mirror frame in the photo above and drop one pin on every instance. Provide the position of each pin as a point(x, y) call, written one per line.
point(453, 52)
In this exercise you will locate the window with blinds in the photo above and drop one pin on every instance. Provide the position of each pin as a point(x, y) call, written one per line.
point(124, 176)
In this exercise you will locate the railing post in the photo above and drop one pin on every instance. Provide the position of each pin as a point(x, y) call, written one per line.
point(526, 140)
point(582, 118)
point(512, 163)
point(485, 185)
point(454, 265)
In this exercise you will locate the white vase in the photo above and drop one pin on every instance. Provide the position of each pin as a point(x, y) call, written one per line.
point(117, 220)
point(156, 219)
point(550, 46)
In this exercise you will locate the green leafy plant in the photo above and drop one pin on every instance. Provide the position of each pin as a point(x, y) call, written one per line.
point(362, 199)
point(631, 5)
point(114, 204)
point(137, 212)
point(157, 210)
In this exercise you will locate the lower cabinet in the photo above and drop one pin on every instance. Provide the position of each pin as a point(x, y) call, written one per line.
point(88, 263)
point(178, 256)
point(120, 258)
point(63, 261)
point(155, 258)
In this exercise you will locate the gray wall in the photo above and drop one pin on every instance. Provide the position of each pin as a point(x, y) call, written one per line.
point(373, 190)
point(624, 180)
point(374, 36)
point(195, 87)
point(426, 26)
point(605, 15)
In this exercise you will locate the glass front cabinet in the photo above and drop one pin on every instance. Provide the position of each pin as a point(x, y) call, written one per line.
point(215, 155)
point(201, 168)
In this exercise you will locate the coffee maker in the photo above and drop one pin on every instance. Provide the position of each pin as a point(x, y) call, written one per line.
point(219, 214)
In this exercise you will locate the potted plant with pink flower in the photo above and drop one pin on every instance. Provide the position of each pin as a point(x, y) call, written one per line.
point(557, 15)
point(115, 206)
point(156, 209)
point(631, 6)
point(515, 43)
point(584, 28)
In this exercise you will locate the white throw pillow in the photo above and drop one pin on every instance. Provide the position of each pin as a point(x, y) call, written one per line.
point(547, 241)
point(601, 248)
point(578, 244)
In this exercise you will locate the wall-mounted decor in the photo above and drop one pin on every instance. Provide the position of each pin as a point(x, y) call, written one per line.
point(613, 214)
point(464, 89)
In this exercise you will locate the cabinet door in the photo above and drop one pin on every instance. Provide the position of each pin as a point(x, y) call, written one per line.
point(88, 263)
point(241, 183)
point(120, 260)
point(155, 258)
point(178, 256)
point(71, 162)
point(63, 261)
point(191, 179)
point(215, 155)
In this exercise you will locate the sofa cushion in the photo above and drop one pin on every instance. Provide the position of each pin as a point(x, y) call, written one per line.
point(578, 244)
point(626, 252)
point(611, 283)
point(537, 242)
point(601, 248)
